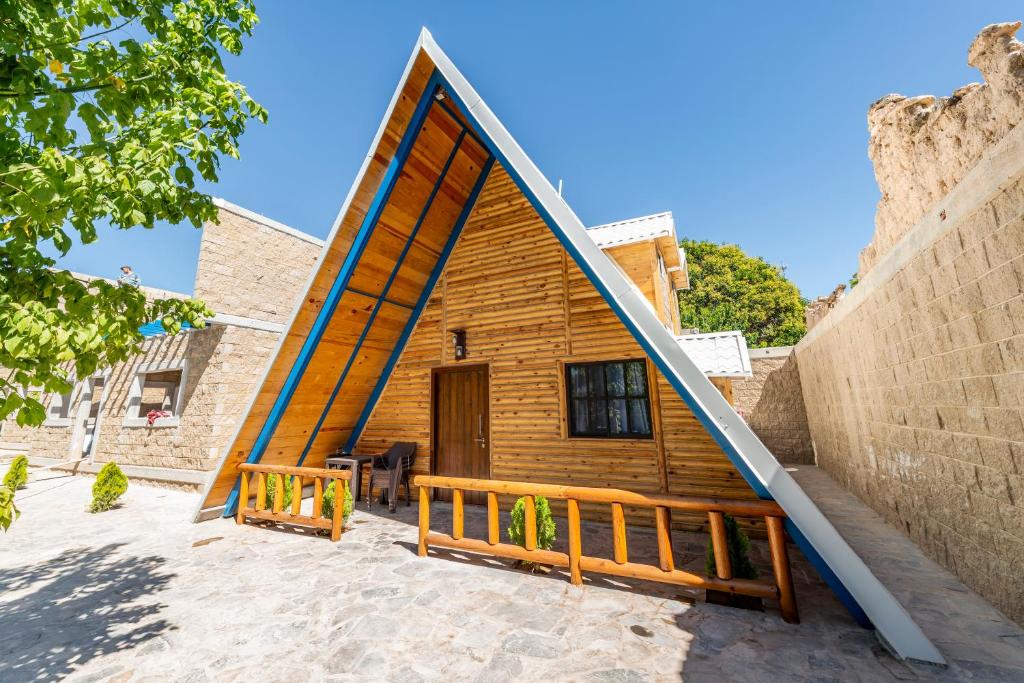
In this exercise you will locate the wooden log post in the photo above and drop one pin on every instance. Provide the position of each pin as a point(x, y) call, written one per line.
point(424, 520)
point(493, 533)
point(296, 494)
point(338, 521)
point(575, 543)
point(458, 514)
point(780, 566)
point(720, 545)
point(318, 497)
point(243, 498)
point(278, 492)
point(530, 531)
point(619, 534)
point(261, 491)
point(663, 523)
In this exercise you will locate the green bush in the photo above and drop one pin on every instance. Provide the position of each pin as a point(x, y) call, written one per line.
point(110, 485)
point(327, 504)
point(545, 523)
point(272, 488)
point(8, 512)
point(739, 552)
point(17, 475)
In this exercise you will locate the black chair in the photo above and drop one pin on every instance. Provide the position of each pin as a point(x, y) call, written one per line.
point(397, 462)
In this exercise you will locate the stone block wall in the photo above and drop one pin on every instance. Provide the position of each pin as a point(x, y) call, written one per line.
point(252, 266)
point(249, 267)
point(914, 382)
point(772, 404)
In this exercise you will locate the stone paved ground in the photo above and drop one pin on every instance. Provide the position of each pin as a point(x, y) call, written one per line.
point(139, 593)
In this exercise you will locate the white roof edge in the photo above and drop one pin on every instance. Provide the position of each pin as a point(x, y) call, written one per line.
point(225, 205)
point(885, 612)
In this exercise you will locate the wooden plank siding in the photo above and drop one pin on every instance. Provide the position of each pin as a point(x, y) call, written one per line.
point(527, 310)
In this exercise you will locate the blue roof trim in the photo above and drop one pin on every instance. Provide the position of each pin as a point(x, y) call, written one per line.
point(156, 329)
point(339, 286)
point(384, 292)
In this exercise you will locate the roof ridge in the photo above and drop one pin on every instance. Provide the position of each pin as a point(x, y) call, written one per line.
point(635, 219)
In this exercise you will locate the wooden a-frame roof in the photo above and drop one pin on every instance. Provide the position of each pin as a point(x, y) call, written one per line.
point(427, 164)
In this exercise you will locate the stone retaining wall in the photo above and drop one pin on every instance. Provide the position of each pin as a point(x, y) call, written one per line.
point(914, 382)
point(772, 404)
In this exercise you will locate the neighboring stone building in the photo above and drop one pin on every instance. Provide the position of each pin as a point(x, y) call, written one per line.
point(250, 271)
point(914, 382)
point(772, 404)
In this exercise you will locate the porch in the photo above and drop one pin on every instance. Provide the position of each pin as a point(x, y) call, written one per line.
point(141, 593)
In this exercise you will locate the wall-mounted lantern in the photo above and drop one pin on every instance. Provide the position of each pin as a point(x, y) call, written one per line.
point(459, 342)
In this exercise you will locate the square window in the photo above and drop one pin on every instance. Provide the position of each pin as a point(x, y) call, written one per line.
point(608, 399)
point(155, 398)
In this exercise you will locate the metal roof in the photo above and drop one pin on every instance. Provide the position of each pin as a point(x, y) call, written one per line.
point(634, 230)
point(718, 354)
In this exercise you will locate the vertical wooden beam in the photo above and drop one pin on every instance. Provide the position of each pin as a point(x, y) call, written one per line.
point(296, 494)
point(723, 565)
point(261, 491)
point(656, 424)
point(339, 506)
point(619, 533)
point(493, 534)
point(318, 496)
point(424, 520)
point(531, 522)
point(243, 499)
point(575, 543)
point(780, 566)
point(663, 522)
point(458, 514)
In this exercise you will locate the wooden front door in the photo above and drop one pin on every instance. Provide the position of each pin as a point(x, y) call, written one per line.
point(462, 445)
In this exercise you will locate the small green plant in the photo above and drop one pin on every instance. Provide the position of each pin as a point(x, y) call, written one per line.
point(272, 489)
point(8, 512)
point(327, 504)
point(110, 485)
point(17, 475)
point(739, 552)
point(545, 523)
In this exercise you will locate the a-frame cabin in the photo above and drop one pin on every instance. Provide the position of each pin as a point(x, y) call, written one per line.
point(450, 227)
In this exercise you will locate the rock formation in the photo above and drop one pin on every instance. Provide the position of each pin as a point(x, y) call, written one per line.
point(923, 146)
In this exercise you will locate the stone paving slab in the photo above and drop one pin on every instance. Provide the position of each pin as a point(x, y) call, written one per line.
point(141, 594)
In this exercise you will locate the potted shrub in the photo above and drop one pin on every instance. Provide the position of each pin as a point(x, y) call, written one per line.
point(110, 485)
point(545, 530)
point(17, 475)
point(742, 568)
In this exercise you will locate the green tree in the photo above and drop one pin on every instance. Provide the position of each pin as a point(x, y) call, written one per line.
point(730, 290)
point(110, 110)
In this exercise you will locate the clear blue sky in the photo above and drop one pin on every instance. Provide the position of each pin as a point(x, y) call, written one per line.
point(746, 119)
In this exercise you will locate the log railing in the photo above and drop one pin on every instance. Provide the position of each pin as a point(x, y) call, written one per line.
point(292, 516)
point(781, 588)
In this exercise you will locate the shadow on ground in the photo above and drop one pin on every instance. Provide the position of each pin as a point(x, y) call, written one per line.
point(57, 615)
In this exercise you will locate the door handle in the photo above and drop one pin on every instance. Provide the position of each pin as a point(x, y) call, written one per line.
point(480, 431)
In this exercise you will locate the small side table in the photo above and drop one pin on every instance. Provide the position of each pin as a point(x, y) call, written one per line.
point(354, 463)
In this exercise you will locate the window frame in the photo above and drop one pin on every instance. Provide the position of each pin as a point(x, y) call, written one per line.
point(63, 415)
point(570, 399)
point(132, 417)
